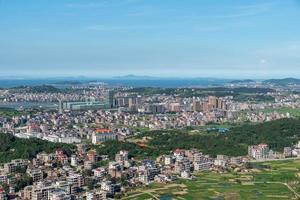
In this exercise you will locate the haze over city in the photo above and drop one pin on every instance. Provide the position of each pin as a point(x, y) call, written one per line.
point(102, 38)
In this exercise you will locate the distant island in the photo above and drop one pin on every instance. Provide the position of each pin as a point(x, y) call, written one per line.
point(283, 82)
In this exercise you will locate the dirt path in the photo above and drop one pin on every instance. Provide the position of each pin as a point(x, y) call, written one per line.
point(285, 184)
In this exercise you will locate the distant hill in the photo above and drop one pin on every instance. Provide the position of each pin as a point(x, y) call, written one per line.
point(137, 77)
point(37, 89)
point(283, 82)
point(134, 77)
point(242, 81)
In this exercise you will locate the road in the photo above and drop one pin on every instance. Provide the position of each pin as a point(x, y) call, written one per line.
point(283, 159)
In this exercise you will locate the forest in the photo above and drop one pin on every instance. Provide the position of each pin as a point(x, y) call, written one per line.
point(278, 134)
point(15, 148)
point(240, 94)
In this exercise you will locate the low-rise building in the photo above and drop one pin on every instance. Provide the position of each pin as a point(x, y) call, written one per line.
point(96, 195)
point(35, 174)
point(14, 165)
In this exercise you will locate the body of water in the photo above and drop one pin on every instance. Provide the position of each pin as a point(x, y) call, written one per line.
point(165, 83)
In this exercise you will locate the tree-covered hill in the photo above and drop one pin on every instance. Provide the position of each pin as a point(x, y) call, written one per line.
point(37, 89)
point(277, 134)
point(14, 148)
point(239, 94)
point(283, 82)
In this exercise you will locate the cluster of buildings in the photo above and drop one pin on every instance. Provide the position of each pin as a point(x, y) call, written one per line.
point(23, 95)
point(259, 116)
point(59, 176)
point(80, 175)
point(116, 107)
point(65, 128)
point(133, 111)
point(160, 104)
point(86, 116)
point(90, 103)
point(262, 152)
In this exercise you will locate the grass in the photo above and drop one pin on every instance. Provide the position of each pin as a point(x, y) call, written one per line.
point(269, 181)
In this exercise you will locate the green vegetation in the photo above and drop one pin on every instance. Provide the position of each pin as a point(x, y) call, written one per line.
point(294, 112)
point(283, 82)
point(201, 92)
point(44, 89)
point(102, 163)
point(37, 89)
point(278, 134)
point(14, 148)
point(23, 181)
point(110, 148)
point(271, 180)
point(240, 94)
point(253, 98)
point(10, 112)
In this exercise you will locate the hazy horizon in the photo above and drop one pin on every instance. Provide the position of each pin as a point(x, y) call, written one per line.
point(136, 76)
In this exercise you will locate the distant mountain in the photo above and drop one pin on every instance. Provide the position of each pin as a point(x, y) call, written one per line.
point(283, 82)
point(242, 81)
point(137, 77)
point(134, 77)
point(165, 82)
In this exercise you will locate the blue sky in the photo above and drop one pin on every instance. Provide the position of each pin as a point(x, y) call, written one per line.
point(216, 38)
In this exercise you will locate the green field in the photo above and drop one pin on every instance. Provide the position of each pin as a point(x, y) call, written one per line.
point(294, 112)
point(269, 180)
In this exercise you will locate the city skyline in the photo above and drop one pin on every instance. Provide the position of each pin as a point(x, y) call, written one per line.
point(224, 39)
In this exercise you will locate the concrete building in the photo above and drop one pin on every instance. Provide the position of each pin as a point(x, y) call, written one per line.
point(102, 135)
point(14, 165)
point(99, 172)
point(59, 194)
point(74, 161)
point(35, 174)
point(197, 106)
point(3, 179)
point(109, 187)
point(96, 195)
point(182, 164)
point(115, 169)
point(89, 103)
point(122, 157)
point(258, 152)
point(287, 151)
